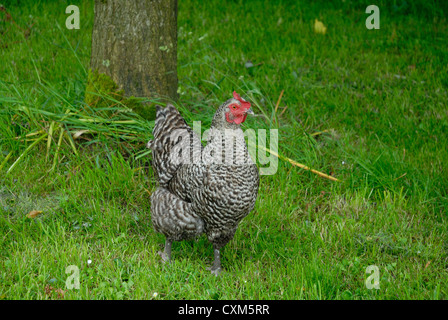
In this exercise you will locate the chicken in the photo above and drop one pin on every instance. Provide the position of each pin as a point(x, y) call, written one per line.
point(202, 189)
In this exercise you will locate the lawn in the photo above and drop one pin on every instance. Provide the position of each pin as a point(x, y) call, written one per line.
point(368, 107)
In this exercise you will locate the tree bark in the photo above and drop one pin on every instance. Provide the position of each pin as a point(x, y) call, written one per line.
point(135, 43)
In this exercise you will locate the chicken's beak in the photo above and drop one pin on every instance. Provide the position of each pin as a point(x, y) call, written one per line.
point(249, 111)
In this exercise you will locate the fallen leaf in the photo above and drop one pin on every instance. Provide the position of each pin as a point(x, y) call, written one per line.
point(319, 27)
point(60, 293)
point(77, 134)
point(49, 290)
point(33, 214)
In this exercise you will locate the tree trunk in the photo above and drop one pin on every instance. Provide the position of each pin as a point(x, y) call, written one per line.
point(135, 44)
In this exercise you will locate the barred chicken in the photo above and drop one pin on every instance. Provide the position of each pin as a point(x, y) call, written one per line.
point(202, 189)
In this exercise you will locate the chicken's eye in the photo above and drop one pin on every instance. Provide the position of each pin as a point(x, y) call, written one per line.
point(234, 107)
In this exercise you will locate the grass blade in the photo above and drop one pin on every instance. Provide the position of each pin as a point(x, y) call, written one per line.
point(25, 152)
point(295, 163)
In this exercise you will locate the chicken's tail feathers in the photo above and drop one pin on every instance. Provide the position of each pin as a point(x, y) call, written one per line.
point(167, 120)
point(160, 116)
point(160, 119)
point(171, 134)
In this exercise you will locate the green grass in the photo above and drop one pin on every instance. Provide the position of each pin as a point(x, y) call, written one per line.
point(381, 94)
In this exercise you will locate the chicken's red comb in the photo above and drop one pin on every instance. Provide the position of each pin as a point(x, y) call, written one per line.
point(244, 103)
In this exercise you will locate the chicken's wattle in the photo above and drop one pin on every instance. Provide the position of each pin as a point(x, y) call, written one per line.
point(238, 118)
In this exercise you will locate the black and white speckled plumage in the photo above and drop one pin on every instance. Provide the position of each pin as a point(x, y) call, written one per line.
point(174, 217)
point(212, 192)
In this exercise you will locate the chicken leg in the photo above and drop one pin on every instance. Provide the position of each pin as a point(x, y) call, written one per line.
point(166, 254)
point(216, 267)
